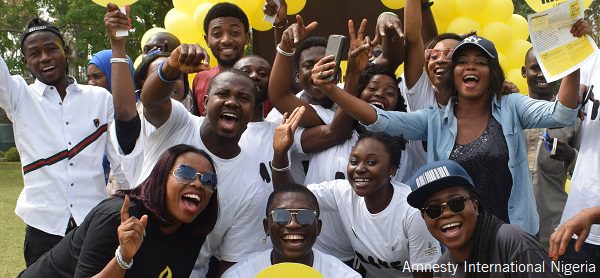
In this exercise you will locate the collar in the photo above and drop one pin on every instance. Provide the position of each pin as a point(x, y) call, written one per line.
point(40, 87)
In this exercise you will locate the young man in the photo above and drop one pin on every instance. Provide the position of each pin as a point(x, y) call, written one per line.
point(549, 171)
point(226, 34)
point(61, 135)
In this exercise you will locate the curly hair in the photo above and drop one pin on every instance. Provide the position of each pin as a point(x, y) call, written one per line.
point(371, 71)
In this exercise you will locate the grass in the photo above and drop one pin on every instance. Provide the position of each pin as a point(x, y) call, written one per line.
point(12, 228)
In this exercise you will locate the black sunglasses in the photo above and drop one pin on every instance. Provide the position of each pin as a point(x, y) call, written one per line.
point(284, 216)
point(187, 174)
point(456, 205)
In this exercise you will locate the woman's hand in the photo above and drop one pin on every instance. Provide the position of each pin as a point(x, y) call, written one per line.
point(270, 9)
point(323, 69)
point(388, 26)
point(131, 232)
point(188, 58)
point(295, 33)
point(360, 48)
point(284, 133)
point(115, 20)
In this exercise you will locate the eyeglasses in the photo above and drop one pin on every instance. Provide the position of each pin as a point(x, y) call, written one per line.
point(284, 216)
point(186, 174)
point(456, 205)
point(434, 54)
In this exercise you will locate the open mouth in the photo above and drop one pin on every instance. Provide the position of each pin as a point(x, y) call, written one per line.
point(439, 71)
point(541, 84)
point(377, 104)
point(48, 68)
point(293, 239)
point(451, 229)
point(229, 120)
point(191, 201)
point(227, 51)
point(360, 182)
point(470, 81)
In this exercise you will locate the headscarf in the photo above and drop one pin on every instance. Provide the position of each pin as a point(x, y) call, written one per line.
point(102, 60)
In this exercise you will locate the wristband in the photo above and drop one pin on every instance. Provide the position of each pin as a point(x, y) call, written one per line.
point(282, 52)
point(388, 13)
point(161, 76)
point(119, 60)
point(282, 26)
point(425, 6)
point(122, 263)
point(284, 169)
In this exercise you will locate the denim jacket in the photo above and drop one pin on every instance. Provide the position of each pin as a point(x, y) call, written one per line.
point(514, 112)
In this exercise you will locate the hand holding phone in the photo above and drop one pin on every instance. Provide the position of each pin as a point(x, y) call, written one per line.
point(335, 46)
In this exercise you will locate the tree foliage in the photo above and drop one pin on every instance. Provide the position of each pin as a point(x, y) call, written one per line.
point(81, 21)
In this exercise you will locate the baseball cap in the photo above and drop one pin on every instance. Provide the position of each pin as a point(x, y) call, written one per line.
point(484, 44)
point(434, 177)
point(36, 25)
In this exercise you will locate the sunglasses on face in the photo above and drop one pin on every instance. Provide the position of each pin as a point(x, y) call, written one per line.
point(434, 54)
point(284, 216)
point(186, 174)
point(456, 205)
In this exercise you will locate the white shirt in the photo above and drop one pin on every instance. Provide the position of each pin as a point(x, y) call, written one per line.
point(242, 193)
point(61, 144)
point(384, 242)
point(585, 182)
point(328, 266)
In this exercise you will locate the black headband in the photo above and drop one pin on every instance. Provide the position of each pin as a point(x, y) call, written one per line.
point(39, 25)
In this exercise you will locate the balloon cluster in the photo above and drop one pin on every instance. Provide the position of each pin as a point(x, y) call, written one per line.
point(492, 19)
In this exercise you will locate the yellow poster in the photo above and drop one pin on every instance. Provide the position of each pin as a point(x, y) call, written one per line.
point(542, 5)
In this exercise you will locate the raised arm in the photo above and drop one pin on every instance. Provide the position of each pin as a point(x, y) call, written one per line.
point(568, 94)
point(413, 65)
point(388, 33)
point(280, 23)
point(282, 142)
point(279, 82)
point(186, 58)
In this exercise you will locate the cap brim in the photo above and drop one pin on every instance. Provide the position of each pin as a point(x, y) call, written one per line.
point(464, 45)
point(418, 196)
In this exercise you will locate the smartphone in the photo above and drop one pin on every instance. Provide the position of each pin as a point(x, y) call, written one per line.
point(335, 47)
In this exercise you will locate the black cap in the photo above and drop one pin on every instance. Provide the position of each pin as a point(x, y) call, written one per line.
point(38, 24)
point(484, 44)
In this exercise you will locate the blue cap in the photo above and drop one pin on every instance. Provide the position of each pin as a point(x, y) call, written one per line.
point(484, 44)
point(434, 177)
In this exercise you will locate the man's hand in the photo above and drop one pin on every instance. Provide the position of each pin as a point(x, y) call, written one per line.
point(284, 133)
point(188, 58)
point(115, 20)
point(295, 33)
point(360, 48)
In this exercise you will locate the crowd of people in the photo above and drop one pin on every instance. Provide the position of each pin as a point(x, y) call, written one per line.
point(445, 171)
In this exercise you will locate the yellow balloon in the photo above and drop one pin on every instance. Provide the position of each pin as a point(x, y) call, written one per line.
point(503, 62)
point(499, 33)
point(200, 14)
point(187, 6)
point(519, 27)
point(257, 21)
point(295, 6)
point(119, 3)
point(443, 9)
point(151, 32)
point(181, 25)
point(514, 76)
point(539, 6)
point(138, 61)
point(516, 53)
point(400, 70)
point(463, 25)
point(470, 8)
point(496, 10)
point(289, 270)
point(251, 7)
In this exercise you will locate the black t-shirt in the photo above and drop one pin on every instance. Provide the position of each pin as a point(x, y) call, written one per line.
point(86, 250)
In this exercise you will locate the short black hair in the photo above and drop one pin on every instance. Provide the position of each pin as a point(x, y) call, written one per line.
point(292, 188)
point(374, 69)
point(225, 10)
point(448, 36)
point(236, 72)
point(38, 24)
point(141, 72)
point(306, 44)
point(394, 145)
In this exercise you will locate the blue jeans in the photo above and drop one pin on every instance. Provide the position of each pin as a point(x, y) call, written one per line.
point(588, 256)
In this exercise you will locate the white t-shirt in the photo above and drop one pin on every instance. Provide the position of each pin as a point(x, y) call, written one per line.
point(386, 242)
point(242, 193)
point(328, 266)
point(585, 182)
point(421, 95)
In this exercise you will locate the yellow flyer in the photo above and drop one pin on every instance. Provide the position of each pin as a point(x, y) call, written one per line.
point(556, 49)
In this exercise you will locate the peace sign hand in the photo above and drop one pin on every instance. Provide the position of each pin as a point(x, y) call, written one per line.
point(360, 48)
point(296, 33)
point(284, 133)
point(131, 232)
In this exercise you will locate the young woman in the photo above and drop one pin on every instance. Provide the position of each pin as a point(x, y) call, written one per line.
point(293, 225)
point(481, 128)
point(159, 233)
point(475, 239)
point(386, 234)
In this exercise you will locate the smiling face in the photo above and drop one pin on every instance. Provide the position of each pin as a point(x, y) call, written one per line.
point(229, 103)
point(369, 168)
point(437, 67)
point(292, 242)
point(381, 91)
point(308, 58)
point(44, 56)
point(535, 78)
point(454, 230)
point(259, 71)
point(186, 201)
point(226, 38)
point(472, 74)
point(96, 77)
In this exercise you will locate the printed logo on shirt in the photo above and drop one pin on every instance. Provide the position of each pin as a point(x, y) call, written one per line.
point(96, 122)
point(431, 249)
point(379, 263)
point(166, 273)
